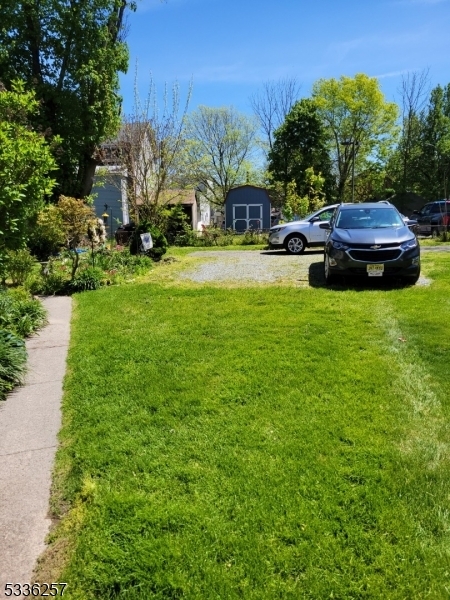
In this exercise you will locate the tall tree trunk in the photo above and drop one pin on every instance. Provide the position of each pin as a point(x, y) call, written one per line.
point(34, 37)
point(86, 174)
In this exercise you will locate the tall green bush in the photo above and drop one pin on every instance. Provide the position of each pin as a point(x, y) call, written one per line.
point(19, 265)
point(87, 279)
point(47, 236)
point(177, 228)
point(25, 164)
point(159, 241)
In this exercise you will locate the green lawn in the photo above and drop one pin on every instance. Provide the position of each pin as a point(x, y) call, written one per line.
point(256, 443)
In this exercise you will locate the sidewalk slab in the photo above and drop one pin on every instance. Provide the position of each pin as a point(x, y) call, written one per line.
point(30, 419)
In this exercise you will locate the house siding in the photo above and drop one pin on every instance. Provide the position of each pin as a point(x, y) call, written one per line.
point(111, 194)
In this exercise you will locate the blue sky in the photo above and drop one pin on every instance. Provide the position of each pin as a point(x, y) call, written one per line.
point(229, 48)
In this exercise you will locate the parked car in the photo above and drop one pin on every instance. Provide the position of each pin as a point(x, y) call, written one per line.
point(298, 235)
point(370, 240)
point(409, 221)
point(433, 218)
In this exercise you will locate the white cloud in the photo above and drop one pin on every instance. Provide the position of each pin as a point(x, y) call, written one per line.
point(394, 73)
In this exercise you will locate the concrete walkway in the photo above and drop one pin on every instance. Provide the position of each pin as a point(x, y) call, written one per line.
point(29, 422)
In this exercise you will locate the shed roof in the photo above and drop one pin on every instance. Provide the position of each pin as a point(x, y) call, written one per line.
point(247, 185)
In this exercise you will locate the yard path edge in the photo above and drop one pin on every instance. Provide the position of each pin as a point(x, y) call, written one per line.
point(30, 420)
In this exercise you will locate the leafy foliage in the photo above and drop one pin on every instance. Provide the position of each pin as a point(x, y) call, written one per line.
point(19, 265)
point(177, 226)
point(25, 164)
point(122, 261)
point(19, 313)
point(53, 283)
point(295, 205)
point(76, 219)
point(47, 235)
point(300, 144)
point(159, 241)
point(13, 358)
point(421, 161)
point(355, 111)
point(20, 316)
point(433, 167)
point(71, 52)
point(87, 279)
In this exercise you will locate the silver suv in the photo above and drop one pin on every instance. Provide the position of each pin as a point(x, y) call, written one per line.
point(298, 235)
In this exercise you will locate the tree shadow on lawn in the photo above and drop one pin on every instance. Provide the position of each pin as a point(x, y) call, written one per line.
point(317, 280)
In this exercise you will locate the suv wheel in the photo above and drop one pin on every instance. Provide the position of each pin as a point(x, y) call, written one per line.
point(329, 277)
point(412, 280)
point(295, 244)
point(435, 232)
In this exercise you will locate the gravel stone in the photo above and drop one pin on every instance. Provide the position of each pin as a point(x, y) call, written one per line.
point(269, 267)
point(256, 267)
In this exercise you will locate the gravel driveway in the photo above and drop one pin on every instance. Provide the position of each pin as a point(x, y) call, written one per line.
point(264, 266)
point(257, 266)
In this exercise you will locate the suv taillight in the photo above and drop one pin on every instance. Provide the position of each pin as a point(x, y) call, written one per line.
point(446, 220)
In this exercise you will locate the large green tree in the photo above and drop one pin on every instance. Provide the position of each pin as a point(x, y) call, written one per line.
point(361, 124)
point(300, 143)
point(25, 164)
point(70, 52)
point(219, 146)
point(433, 164)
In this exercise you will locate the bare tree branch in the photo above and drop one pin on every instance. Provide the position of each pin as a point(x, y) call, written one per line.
point(414, 91)
point(272, 104)
point(150, 142)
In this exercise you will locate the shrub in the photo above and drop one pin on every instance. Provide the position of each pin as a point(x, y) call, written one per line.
point(19, 313)
point(226, 238)
point(19, 265)
point(47, 236)
point(159, 241)
point(177, 227)
point(90, 278)
point(186, 238)
point(55, 283)
point(252, 238)
point(211, 235)
point(13, 356)
point(122, 260)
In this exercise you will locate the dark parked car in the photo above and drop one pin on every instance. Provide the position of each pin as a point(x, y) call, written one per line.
point(433, 218)
point(370, 240)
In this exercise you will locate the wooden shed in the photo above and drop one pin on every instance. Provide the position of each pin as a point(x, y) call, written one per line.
point(247, 207)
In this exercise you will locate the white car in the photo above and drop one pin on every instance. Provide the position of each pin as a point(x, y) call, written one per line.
point(306, 233)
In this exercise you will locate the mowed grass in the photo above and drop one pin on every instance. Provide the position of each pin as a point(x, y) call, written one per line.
point(256, 443)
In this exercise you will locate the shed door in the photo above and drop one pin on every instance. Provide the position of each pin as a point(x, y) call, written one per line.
point(247, 216)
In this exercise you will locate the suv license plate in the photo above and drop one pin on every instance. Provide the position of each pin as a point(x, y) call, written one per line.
point(375, 270)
